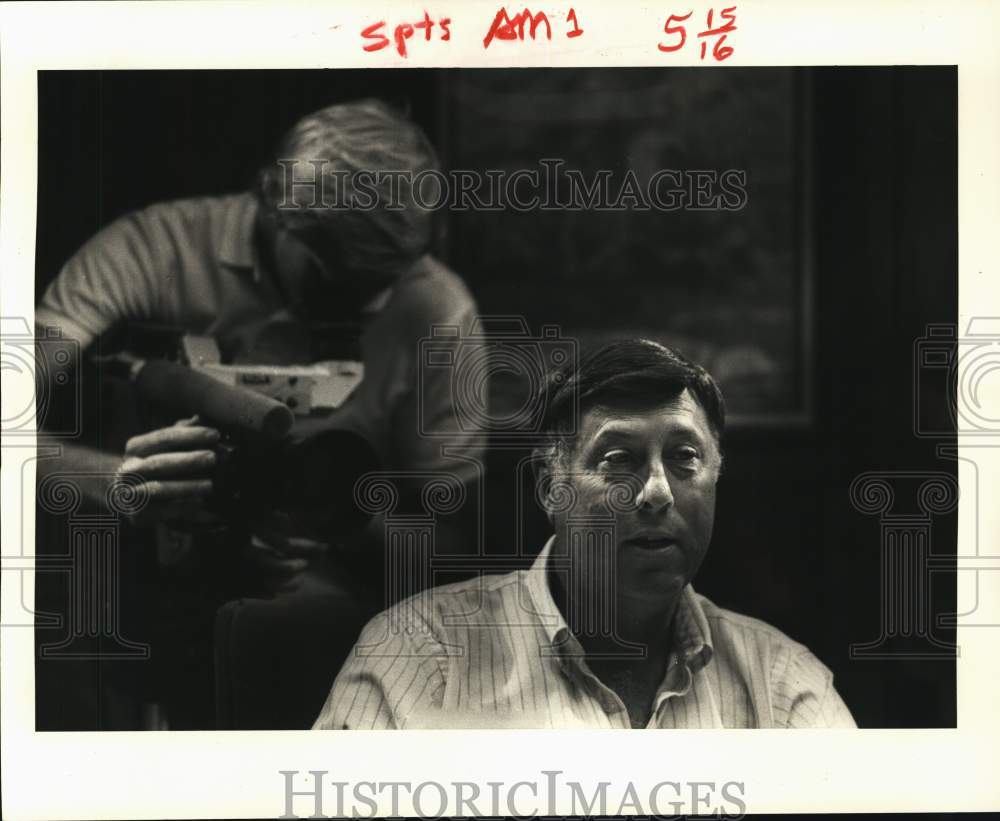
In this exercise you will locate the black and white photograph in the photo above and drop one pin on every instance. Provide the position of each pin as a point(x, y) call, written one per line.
point(473, 397)
point(422, 400)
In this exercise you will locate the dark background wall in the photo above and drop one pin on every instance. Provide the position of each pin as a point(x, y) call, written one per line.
point(789, 546)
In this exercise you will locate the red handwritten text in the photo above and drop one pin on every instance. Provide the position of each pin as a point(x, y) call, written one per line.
point(505, 27)
point(720, 51)
point(670, 28)
point(404, 32)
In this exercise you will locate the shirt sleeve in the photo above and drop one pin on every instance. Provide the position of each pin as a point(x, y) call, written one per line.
point(806, 698)
point(114, 276)
point(394, 672)
point(436, 426)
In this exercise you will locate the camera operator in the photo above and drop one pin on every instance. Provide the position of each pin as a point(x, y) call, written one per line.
point(256, 270)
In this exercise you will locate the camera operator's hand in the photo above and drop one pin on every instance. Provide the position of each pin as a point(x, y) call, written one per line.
point(175, 464)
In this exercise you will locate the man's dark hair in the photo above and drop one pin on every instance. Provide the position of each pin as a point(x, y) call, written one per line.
point(630, 373)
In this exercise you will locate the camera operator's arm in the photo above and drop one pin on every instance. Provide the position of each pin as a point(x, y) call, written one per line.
point(117, 276)
point(114, 277)
point(173, 463)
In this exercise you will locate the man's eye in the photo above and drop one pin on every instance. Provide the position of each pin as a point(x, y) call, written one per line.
point(617, 458)
point(685, 454)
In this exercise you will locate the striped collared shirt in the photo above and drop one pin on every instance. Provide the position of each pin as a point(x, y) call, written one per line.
point(495, 652)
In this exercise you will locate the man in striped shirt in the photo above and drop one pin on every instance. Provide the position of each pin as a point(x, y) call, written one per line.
point(604, 630)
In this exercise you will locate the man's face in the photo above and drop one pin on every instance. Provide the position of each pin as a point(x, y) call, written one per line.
point(315, 287)
point(669, 456)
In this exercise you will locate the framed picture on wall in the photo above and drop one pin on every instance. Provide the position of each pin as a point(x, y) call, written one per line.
point(667, 204)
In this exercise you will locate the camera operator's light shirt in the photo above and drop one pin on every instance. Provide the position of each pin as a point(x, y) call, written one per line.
point(495, 652)
point(191, 264)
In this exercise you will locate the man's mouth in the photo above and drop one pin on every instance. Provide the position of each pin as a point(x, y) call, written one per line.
point(651, 541)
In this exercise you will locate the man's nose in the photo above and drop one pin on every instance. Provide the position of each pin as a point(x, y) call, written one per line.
point(655, 493)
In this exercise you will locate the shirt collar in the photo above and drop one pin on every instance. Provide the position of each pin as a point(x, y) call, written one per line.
point(537, 582)
point(691, 636)
point(236, 248)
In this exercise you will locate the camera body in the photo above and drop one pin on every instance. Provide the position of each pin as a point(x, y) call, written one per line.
point(960, 374)
point(495, 374)
point(307, 477)
point(303, 388)
point(279, 453)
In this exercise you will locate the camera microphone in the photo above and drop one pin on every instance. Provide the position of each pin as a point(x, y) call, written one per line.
point(186, 391)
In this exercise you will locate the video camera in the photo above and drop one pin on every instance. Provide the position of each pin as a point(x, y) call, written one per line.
point(279, 453)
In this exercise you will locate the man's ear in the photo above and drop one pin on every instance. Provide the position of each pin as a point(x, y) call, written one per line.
point(542, 468)
point(720, 459)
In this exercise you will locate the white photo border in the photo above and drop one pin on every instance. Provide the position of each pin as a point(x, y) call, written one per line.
point(236, 775)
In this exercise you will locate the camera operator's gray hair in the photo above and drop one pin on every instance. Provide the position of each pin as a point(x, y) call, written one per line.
point(344, 142)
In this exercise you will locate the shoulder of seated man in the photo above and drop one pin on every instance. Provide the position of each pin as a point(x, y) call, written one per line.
point(725, 623)
point(435, 604)
point(431, 288)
